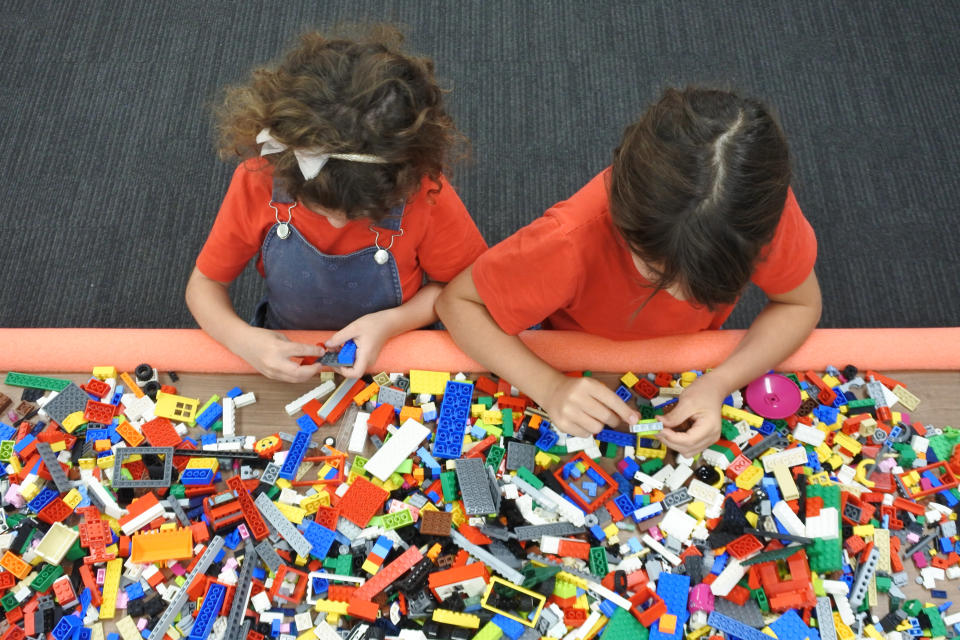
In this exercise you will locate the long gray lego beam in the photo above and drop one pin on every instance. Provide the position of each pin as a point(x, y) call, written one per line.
point(159, 629)
point(242, 593)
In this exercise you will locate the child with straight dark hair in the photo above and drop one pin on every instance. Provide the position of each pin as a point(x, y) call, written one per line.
point(696, 204)
point(342, 198)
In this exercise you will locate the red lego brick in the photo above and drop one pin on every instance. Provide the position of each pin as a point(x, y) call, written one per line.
point(744, 547)
point(485, 386)
point(96, 387)
point(379, 419)
point(99, 412)
point(159, 432)
point(362, 501)
point(56, 511)
point(646, 388)
point(258, 528)
point(389, 574)
point(327, 516)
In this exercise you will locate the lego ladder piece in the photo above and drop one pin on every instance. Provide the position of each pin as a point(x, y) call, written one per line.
point(865, 573)
point(166, 619)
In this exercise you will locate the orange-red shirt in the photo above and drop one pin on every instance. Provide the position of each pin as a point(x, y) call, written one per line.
point(570, 269)
point(439, 239)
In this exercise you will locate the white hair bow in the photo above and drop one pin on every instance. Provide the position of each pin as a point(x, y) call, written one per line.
point(311, 161)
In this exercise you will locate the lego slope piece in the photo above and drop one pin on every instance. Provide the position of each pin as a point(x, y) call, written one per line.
point(393, 452)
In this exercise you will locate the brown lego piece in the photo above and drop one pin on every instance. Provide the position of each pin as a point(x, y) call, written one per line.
point(5, 402)
point(24, 408)
point(435, 523)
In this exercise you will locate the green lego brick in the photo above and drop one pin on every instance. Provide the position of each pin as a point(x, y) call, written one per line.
point(912, 607)
point(826, 555)
point(598, 562)
point(623, 626)
point(486, 401)
point(448, 482)
point(489, 631)
point(397, 520)
point(495, 457)
point(15, 379)
point(75, 552)
point(761, 597)
point(866, 403)
point(507, 415)
point(728, 431)
point(943, 445)
point(907, 454)
point(525, 474)
point(610, 451)
point(651, 466)
point(534, 575)
point(45, 577)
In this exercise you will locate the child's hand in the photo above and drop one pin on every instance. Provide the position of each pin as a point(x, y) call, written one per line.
point(700, 404)
point(370, 332)
point(582, 406)
point(270, 353)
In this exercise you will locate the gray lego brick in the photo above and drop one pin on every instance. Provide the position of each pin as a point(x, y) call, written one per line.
point(122, 453)
point(270, 557)
point(71, 399)
point(286, 529)
point(676, 498)
point(53, 466)
point(487, 558)
point(242, 593)
point(748, 614)
point(178, 510)
point(828, 629)
point(391, 395)
point(270, 473)
point(536, 531)
point(475, 487)
point(521, 454)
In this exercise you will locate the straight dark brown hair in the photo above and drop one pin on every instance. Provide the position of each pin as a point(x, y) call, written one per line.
point(697, 189)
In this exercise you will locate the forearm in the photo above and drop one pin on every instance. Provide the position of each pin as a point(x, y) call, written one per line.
point(415, 313)
point(480, 337)
point(210, 304)
point(777, 332)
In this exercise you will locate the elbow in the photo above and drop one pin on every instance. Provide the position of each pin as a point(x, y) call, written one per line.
point(443, 305)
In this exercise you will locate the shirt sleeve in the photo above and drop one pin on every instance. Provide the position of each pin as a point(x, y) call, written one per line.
point(789, 258)
point(452, 240)
point(528, 276)
point(235, 236)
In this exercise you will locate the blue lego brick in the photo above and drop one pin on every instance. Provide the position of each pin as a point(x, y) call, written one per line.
point(511, 628)
point(233, 393)
point(208, 438)
point(625, 504)
point(319, 586)
point(477, 432)
point(196, 476)
point(624, 485)
point(618, 438)
point(949, 497)
point(42, 499)
point(209, 416)
point(590, 488)
point(208, 612)
point(734, 628)
point(307, 424)
point(298, 449)
point(719, 562)
point(134, 591)
point(570, 470)
point(6, 431)
point(65, 629)
point(825, 414)
point(93, 435)
point(319, 537)
point(429, 462)
point(347, 355)
point(596, 477)
point(83, 634)
point(790, 626)
point(454, 412)
point(548, 438)
point(767, 428)
point(23, 443)
point(674, 588)
point(624, 393)
point(841, 398)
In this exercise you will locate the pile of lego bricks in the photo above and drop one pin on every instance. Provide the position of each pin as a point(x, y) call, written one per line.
point(473, 518)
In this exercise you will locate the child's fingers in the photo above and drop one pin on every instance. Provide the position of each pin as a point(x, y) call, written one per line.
point(677, 416)
point(615, 405)
point(337, 339)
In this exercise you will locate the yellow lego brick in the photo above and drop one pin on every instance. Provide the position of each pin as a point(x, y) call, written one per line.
point(111, 584)
point(644, 452)
point(459, 517)
point(736, 415)
point(752, 518)
point(831, 381)
point(29, 491)
point(699, 633)
point(331, 606)
point(176, 408)
point(433, 383)
point(822, 478)
point(843, 631)
point(73, 498)
point(492, 416)
point(72, 421)
point(106, 462)
point(697, 509)
point(291, 513)
point(545, 460)
point(476, 410)
point(310, 503)
point(102, 373)
point(872, 632)
point(86, 463)
point(283, 483)
point(457, 619)
point(687, 378)
point(788, 488)
point(749, 477)
point(768, 631)
point(629, 379)
point(569, 578)
point(835, 461)
point(307, 635)
point(204, 463)
point(370, 567)
point(847, 443)
point(823, 452)
point(58, 446)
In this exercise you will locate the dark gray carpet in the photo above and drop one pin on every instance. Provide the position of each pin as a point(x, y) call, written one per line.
point(109, 181)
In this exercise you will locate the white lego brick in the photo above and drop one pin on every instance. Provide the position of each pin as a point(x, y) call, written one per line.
point(715, 458)
point(846, 474)
point(728, 578)
point(665, 553)
point(314, 394)
point(245, 400)
point(392, 454)
point(919, 444)
point(358, 435)
point(677, 524)
point(788, 519)
point(229, 418)
point(261, 601)
point(578, 443)
point(788, 457)
point(324, 631)
point(809, 435)
point(699, 490)
point(835, 587)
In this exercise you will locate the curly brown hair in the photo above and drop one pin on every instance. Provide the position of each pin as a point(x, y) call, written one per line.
point(359, 94)
point(697, 189)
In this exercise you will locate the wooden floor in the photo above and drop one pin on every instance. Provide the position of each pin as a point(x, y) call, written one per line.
point(939, 392)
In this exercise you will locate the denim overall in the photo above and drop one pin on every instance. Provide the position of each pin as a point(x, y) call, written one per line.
point(308, 289)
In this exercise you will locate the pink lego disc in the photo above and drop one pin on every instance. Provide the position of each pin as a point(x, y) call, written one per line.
point(773, 396)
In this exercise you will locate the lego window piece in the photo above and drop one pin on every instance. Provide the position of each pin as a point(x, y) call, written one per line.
point(513, 602)
point(122, 453)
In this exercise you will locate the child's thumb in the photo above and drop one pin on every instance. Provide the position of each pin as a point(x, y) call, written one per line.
point(675, 418)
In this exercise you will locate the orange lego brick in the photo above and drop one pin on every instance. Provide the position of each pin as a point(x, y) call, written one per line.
point(176, 544)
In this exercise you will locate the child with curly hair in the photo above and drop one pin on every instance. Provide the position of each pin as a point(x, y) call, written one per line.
point(696, 204)
point(342, 197)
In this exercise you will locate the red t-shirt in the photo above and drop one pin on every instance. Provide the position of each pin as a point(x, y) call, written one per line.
point(439, 237)
point(570, 269)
